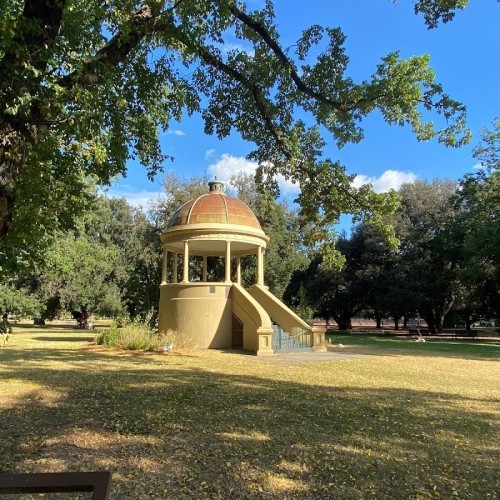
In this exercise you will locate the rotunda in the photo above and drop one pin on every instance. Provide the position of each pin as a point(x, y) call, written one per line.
point(222, 314)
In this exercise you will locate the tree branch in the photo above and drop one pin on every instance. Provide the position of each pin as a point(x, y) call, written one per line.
point(253, 88)
point(145, 21)
point(48, 15)
point(259, 28)
point(116, 50)
point(38, 26)
point(208, 58)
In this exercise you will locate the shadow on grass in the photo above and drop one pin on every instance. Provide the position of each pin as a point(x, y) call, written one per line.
point(70, 326)
point(196, 433)
point(64, 339)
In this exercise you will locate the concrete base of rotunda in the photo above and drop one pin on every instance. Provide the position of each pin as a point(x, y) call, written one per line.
point(200, 312)
point(215, 316)
point(227, 316)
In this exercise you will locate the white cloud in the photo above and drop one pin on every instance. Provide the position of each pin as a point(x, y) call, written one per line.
point(390, 179)
point(209, 153)
point(228, 165)
point(477, 166)
point(177, 132)
point(287, 187)
point(135, 198)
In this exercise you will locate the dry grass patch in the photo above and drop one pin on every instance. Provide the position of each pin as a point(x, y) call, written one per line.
point(214, 424)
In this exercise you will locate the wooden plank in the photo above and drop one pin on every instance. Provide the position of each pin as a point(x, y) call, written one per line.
point(55, 482)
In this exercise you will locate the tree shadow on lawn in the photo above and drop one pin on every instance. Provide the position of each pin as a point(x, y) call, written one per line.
point(197, 433)
point(70, 326)
point(74, 360)
point(64, 339)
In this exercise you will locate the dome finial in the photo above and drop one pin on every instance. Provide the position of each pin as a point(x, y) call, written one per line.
point(216, 186)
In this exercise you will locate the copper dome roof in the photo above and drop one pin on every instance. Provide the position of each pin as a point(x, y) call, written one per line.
point(215, 207)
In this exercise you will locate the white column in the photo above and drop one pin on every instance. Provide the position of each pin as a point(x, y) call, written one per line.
point(164, 267)
point(260, 266)
point(185, 263)
point(204, 273)
point(228, 261)
point(175, 269)
point(238, 270)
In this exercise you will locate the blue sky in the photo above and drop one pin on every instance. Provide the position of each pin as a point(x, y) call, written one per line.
point(465, 54)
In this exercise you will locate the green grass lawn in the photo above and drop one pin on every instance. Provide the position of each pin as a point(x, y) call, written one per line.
point(463, 348)
point(412, 420)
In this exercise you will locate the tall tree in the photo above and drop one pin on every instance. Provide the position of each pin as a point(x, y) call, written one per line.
point(333, 293)
point(431, 254)
point(113, 222)
point(15, 300)
point(84, 276)
point(478, 230)
point(370, 253)
point(85, 86)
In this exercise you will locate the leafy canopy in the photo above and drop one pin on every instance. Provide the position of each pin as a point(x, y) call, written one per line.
point(86, 86)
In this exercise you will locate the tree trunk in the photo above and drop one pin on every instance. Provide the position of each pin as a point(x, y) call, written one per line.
point(343, 321)
point(9, 175)
point(439, 323)
point(468, 318)
point(396, 322)
point(430, 323)
point(153, 320)
point(6, 211)
point(434, 316)
point(84, 318)
point(434, 322)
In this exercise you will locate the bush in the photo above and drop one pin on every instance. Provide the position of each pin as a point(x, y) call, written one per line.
point(19, 301)
point(175, 339)
point(109, 337)
point(137, 335)
point(134, 335)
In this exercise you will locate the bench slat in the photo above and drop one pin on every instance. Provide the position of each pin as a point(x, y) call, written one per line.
point(54, 482)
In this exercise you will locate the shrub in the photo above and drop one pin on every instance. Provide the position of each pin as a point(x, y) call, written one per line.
point(134, 335)
point(176, 339)
point(19, 301)
point(138, 335)
point(109, 337)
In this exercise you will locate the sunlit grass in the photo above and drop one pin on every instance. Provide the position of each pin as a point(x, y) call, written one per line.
point(409, 421)
point(432, 346)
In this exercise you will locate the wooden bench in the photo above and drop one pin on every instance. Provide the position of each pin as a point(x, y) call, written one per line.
point(57, 482)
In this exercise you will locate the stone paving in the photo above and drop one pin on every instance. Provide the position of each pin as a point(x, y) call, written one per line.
point(311, 357)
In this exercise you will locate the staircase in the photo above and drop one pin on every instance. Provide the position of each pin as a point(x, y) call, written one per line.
point(283, 342)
